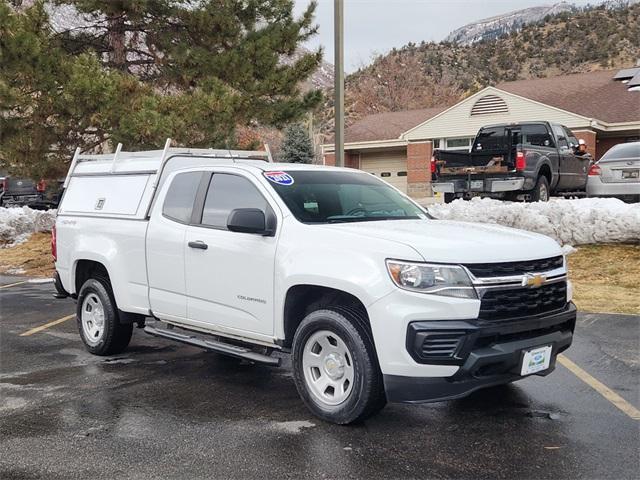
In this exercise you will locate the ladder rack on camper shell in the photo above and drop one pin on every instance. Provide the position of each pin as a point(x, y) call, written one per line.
point(151, 164)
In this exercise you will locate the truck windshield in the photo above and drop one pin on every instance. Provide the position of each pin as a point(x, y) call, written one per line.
point(340, 197)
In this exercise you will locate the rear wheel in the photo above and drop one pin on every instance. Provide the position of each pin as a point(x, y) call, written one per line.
point(98, 322)
point(449, 197)
point(540, 192)
point(335, 366)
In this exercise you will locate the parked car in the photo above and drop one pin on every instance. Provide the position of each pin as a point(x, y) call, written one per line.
point(17, 192)
point(617, 173)
point(375, 300)
point(527, 161)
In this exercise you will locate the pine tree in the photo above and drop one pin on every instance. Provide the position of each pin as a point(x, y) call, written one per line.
point(297, 146)
point(139, 72)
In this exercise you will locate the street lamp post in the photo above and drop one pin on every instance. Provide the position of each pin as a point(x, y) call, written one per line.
point(338, 13)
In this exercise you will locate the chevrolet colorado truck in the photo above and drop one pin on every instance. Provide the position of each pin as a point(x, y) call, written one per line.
point(527, 161)
point(374, 299)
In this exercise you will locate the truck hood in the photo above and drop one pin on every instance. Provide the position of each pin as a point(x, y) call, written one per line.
point(458, 242)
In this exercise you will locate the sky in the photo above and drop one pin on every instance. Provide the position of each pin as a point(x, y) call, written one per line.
point(376, 26)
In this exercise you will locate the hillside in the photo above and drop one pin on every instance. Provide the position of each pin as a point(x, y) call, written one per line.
point(434, 74)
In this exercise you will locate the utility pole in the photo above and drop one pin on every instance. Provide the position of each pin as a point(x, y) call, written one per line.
point(338, 29)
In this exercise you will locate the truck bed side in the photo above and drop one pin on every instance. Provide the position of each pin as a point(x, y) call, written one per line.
point(117, 244)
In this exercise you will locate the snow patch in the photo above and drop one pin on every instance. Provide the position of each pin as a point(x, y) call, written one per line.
point(293, 426)
point(17, 224)
point(570, 222)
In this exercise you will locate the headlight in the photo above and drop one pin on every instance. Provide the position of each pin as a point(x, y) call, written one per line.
point(447, 280)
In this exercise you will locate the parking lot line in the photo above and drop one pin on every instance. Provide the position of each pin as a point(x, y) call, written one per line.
point(47, 325)
point(601, 388)
point(13, 284)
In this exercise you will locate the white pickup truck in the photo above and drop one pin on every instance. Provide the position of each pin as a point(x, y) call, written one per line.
point(375, 300)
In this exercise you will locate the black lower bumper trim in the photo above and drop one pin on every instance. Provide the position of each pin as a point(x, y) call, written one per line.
point(487, 366)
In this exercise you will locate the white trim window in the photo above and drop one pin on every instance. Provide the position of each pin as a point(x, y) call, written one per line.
point(460, 144)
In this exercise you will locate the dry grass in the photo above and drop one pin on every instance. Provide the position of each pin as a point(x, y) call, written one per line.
point(31, 258)
point(606, 278)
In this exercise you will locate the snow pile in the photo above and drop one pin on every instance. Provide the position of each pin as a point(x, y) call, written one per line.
point(17, 224)
point(570, 222)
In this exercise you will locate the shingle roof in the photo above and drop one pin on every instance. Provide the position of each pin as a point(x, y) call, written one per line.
point(389, 125)
point(593, 95)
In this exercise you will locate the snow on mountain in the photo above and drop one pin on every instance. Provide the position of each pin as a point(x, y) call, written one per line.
point(493, 27)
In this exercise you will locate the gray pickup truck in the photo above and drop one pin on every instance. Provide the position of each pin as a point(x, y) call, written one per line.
point(519, 161)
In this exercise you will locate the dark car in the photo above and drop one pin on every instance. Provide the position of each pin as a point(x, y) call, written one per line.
point(19, 192)
point(528, 161)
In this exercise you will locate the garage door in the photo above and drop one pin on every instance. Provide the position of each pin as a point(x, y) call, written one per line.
point(390, 166)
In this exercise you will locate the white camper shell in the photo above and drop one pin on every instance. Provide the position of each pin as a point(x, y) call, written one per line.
point(123, 184)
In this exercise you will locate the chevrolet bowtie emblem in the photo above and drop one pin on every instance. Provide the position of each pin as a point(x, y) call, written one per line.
point(533, 281)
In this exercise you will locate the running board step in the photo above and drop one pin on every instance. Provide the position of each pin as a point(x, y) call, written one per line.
point(215, 346)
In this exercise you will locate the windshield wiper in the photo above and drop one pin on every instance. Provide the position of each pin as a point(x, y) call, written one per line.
point(369, 219)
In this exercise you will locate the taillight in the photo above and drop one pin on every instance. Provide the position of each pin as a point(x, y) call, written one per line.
point(54, 244)
point(41, 186)
point(594, 170)
point(4, 184)
point(433, 164)
point(521, 161)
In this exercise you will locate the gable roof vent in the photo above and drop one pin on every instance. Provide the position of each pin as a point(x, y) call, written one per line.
point(489, 104)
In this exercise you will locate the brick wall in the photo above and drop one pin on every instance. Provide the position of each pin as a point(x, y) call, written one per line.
point(419, 169)
point(605, 143)
point(330, 159)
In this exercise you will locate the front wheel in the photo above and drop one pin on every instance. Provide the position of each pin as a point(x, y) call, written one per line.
point(335, 366)
point(98, 322)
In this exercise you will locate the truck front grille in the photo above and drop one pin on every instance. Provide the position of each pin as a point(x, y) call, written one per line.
point(521, 302)
point(506, 269)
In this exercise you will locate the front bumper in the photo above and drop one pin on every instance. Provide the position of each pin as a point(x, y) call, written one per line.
point(487, 355)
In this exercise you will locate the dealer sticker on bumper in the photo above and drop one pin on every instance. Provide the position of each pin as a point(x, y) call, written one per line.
point(536, 360)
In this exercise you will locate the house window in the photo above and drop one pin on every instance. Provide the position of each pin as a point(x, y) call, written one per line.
point(459, 143)
point(488, 105)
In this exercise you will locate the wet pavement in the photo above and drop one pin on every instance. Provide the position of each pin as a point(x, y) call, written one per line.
point(167, 410)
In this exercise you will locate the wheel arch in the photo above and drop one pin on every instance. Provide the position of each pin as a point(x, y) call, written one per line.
point(302, 299)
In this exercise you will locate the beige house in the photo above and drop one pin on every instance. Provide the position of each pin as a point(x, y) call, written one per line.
point(600, 107)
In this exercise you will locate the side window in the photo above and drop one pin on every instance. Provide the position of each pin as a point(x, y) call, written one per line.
point(178, 204)
point(226, 193)
point(536, 135)
point(571, 138)
point(562, 136)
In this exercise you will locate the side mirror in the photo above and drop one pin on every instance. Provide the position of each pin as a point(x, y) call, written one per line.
point(248, 220)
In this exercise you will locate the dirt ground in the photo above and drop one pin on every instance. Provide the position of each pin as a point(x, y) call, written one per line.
point(606, 278)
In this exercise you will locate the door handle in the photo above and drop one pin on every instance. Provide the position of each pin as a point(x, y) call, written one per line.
point(199, 244)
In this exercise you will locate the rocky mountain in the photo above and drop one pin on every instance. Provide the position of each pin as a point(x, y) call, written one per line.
point(494, 27)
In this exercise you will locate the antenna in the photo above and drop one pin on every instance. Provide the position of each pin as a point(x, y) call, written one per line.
point(115, 158)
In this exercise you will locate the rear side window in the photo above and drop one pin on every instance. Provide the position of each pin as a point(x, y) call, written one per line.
point(178, 204)
point(489, 139)
point(226, 193)
point(536, 136)
point(625, 151)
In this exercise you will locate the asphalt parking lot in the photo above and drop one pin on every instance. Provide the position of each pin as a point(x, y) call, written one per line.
point(167, 410)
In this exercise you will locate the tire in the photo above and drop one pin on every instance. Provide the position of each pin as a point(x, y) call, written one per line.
point(541, 191)
point(350, 366)
point(449, 197)
point(97, 317)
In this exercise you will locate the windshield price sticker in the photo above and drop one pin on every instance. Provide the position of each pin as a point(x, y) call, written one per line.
point(281, 178)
